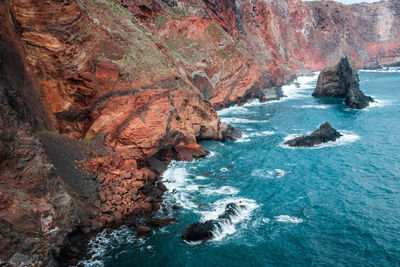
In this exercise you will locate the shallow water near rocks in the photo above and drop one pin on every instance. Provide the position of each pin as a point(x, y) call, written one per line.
point(335, 204)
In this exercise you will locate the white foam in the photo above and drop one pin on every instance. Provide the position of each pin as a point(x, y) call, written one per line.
point(263, 133)
point(266, 220)
point(175, 176)
point(201, 177)
point(224, 169)
point(288, 219)
point(233, 120)
point(212, 154)
point(104, 242)
point(179, 187)
point(378, 103)
point(346, 138)
point(314, 106)
point(246, 208)
point(246, 136)
point(277, 173)
point(299, 88)
point(232, 110)
point(390, 69)
point(224, 190)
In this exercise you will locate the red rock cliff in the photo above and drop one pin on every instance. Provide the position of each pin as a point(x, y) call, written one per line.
point(146, 75)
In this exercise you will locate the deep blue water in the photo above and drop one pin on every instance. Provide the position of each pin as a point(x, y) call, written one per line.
point(337, 204)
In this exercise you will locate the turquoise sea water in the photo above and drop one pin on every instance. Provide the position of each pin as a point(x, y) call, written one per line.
point(337, 204)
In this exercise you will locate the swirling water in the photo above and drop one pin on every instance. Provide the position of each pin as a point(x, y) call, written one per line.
point(336, 204)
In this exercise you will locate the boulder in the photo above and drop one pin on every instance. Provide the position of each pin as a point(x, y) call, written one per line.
point(199, 231)
point(143, 231)
point(204, 231)
point(341, 81)
point(324, 134)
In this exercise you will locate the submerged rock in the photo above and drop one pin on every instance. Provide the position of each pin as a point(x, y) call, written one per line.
point(324, 134)
point(342, 81)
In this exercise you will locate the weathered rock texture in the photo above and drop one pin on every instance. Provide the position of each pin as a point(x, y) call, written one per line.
point(324, 134)
point(36, 213)
point(141, 78)
point(341, 81)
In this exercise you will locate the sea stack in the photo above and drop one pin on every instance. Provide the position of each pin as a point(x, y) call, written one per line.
point(341, 81)
point(324, 134)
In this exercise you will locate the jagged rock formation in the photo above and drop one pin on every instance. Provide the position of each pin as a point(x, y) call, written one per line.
point(341, 81)
point(140, 79)
point(204, 231)
point(324, 134)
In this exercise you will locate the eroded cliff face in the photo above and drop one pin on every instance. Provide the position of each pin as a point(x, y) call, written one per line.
point(142, 78)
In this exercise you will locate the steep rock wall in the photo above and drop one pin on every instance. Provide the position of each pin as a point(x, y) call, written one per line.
point(146, 75)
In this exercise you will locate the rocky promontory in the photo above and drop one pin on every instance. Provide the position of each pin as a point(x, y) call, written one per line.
point(341, 81)
point(324, 134)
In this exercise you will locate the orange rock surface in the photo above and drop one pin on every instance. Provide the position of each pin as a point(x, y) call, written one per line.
point(144, 76)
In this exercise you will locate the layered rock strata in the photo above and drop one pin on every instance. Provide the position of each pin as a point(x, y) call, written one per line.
point(134, 84)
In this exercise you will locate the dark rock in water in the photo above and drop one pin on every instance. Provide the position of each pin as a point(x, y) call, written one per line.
point(204, 231)
point(356, 99)
point(199, 231)
point(231, 210)
point(231, 134)
point(342, 81)
point(143, 231)
point(324, 134)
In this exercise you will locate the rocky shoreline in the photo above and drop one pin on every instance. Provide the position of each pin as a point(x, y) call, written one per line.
point(98, 96)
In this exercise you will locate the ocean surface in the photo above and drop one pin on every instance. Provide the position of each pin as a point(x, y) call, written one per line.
point(335, 204)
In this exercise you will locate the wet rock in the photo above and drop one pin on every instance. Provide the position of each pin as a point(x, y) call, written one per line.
point(203, 231)
point(162, 187)
point(231, 134)
point(199, 231)
point(324, 134)
point(143, 231)
point(231, 210)
point(341, 81)
point(188, 152)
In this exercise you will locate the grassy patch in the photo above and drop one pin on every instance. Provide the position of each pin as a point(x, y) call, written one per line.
point(179, 12)
point(41, 132)
point(161, 20)
point(87, 140)
point(215, 31)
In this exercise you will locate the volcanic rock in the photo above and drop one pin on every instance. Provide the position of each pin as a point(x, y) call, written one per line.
point(203, 231)
point(199, 231)
point(143, 231)
point(324, 134)
point(341, 81)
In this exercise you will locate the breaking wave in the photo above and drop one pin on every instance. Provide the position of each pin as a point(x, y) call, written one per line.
point(243, 211)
